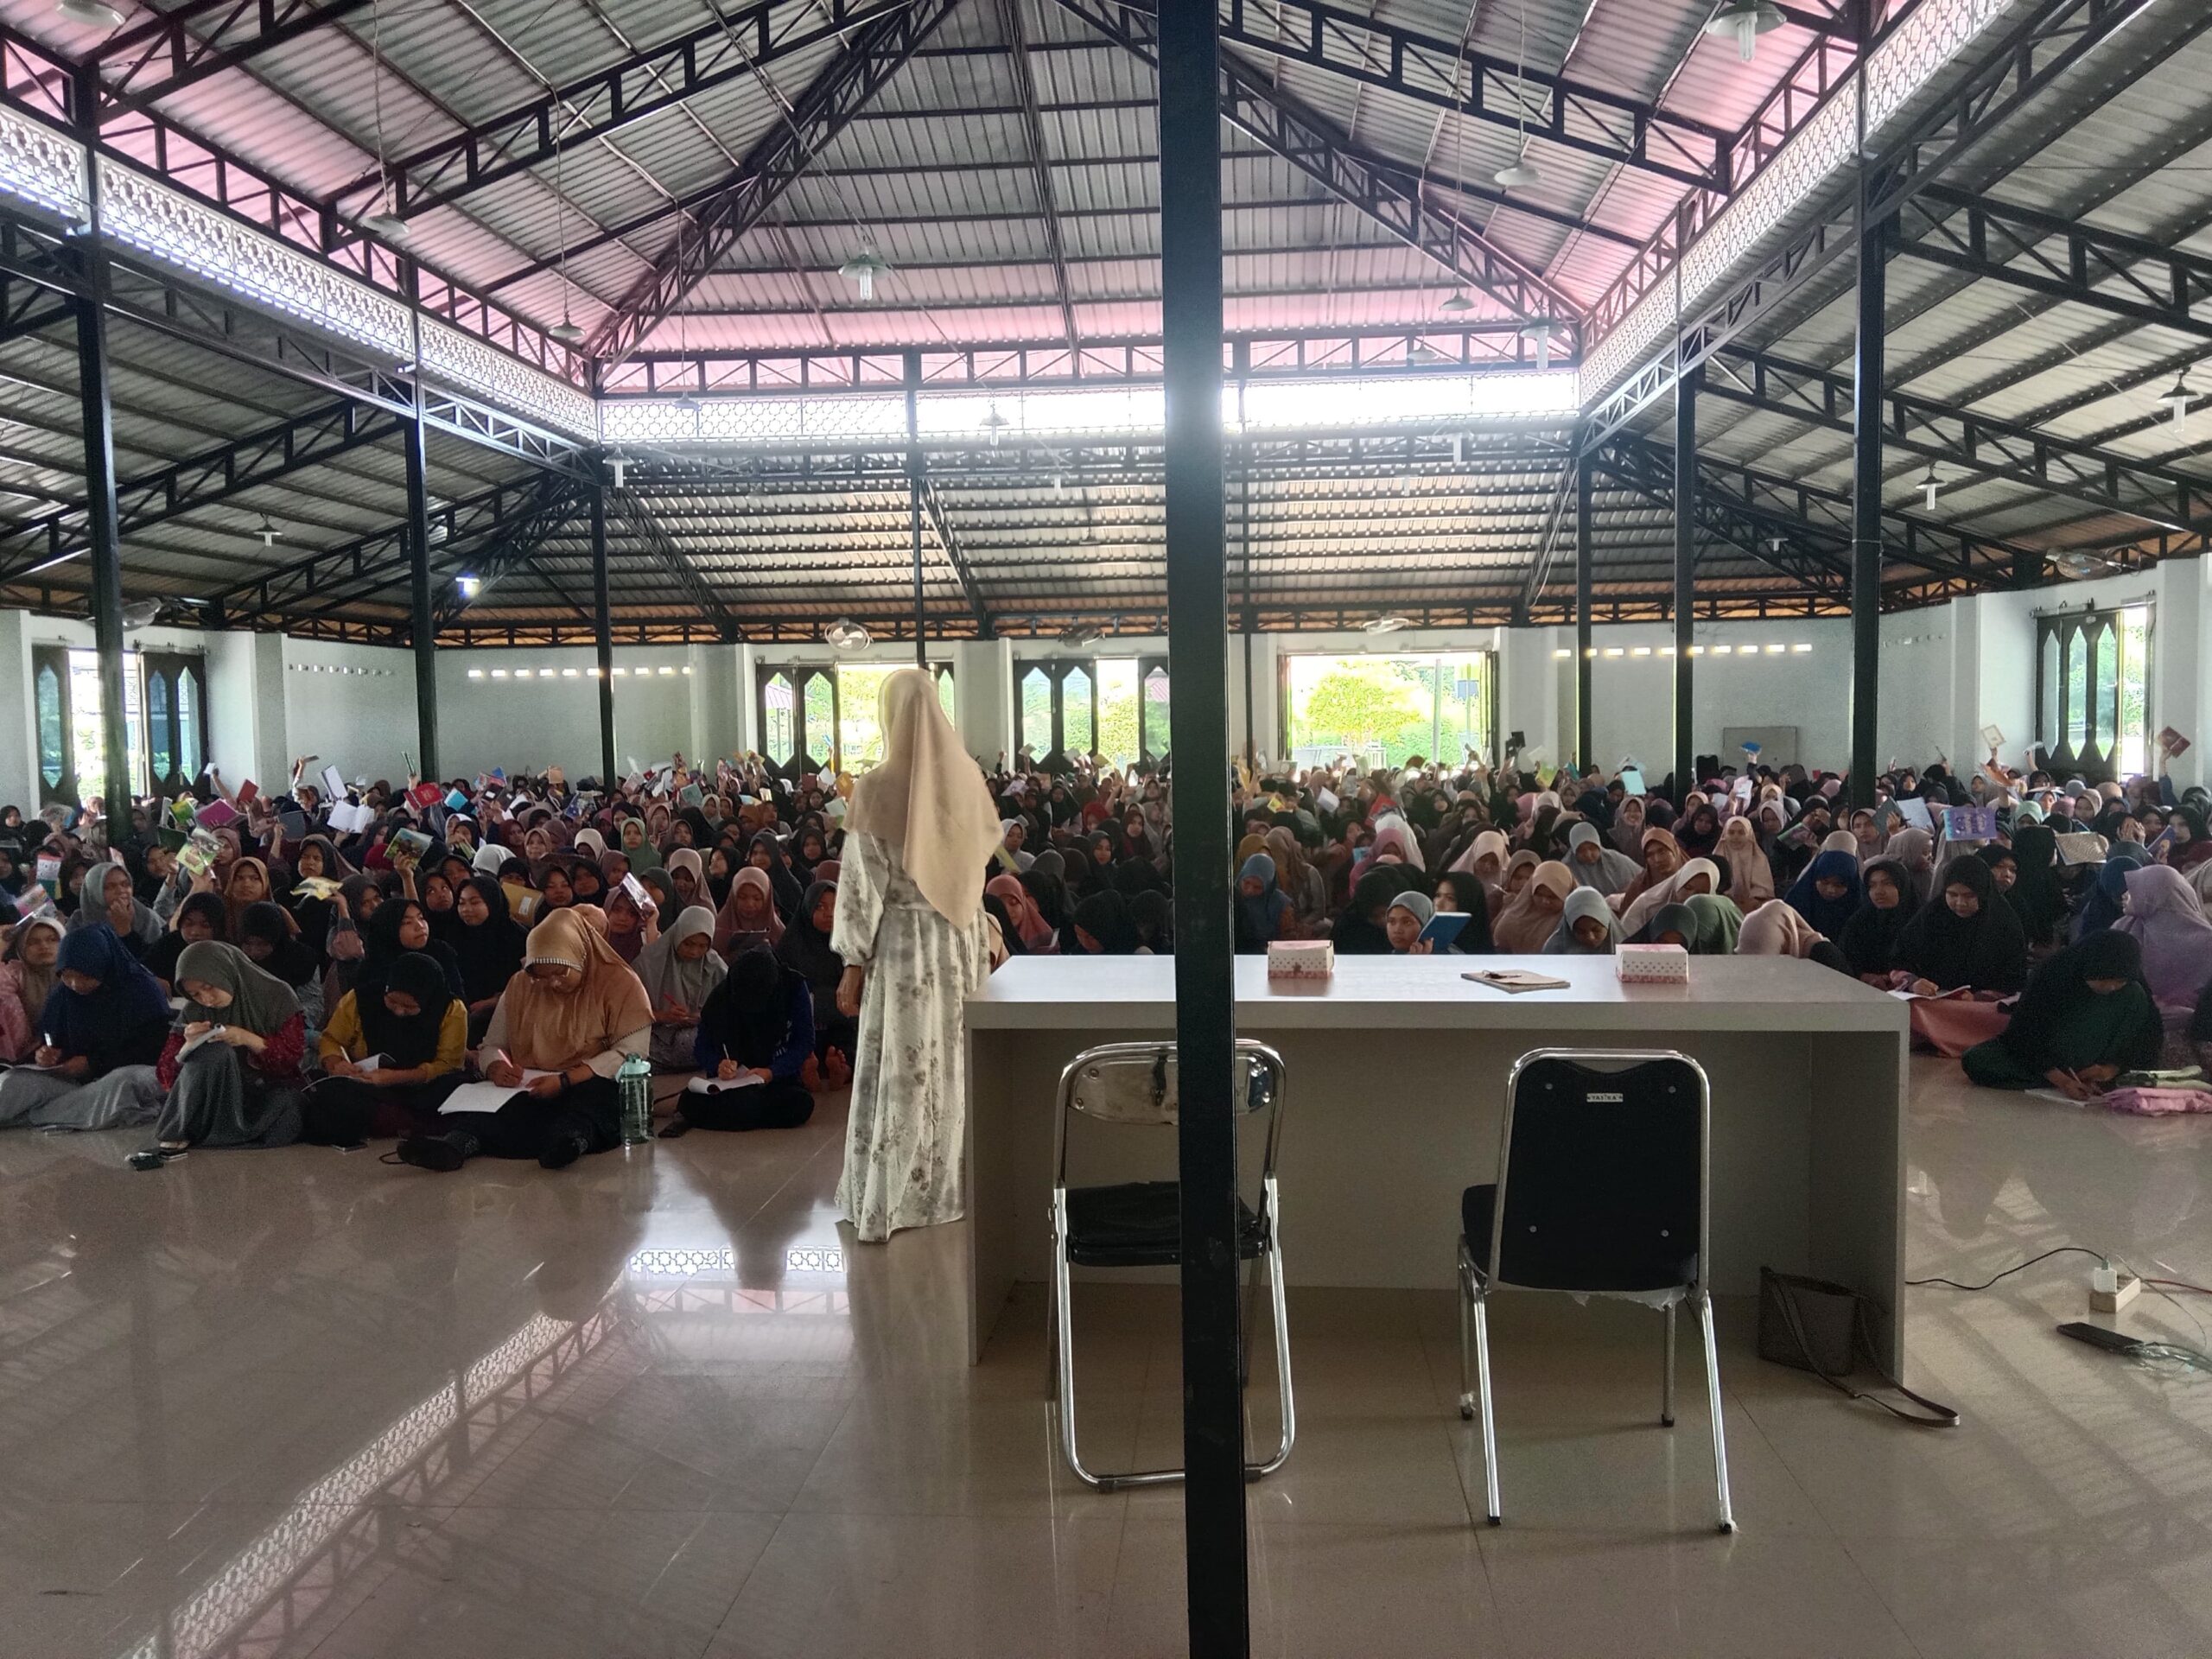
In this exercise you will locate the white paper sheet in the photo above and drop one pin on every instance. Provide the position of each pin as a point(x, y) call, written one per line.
point(720, 1085)
point(487, 1096)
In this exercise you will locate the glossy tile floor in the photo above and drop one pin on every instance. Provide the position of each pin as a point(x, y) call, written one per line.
point(289, 1403)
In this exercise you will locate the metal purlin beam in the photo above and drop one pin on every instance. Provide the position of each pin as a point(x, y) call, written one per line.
point(2049, 39)
point(213, 476)
point(2149, 282)
point(1032, 125)
point(371, 561)
point(541, 510)
point(149, 294)
point(608, 100)
point(1479, 86)
point(631, 509)
point(1385, 191)
point(876, 52)
point(1984, 445)
point(1794, 506)
point(177, 48)
point(934, 507)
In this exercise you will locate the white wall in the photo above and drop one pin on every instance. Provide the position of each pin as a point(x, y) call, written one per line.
point(502, 719)
point(1945, 673)
point(1632, 697)
point(353, 706)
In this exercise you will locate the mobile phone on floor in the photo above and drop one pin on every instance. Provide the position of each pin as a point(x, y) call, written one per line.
point(2098, 1336)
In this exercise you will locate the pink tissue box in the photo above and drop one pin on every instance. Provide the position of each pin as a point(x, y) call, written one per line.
point(1658, 964)
point(1301, 959)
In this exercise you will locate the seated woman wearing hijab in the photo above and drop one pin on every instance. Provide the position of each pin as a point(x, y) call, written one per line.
point(751, 917)
point(1697, 875)
point(2163, 914)
point(1870, 938)
point(1776, 929)
point(241, 1083)
point(109, 897)
point(26, 979)
point(1967, 938)
point(1358, 930)
point(1662, 857)
point(1408, 913)
point(1718, 923)
point(1597, 867)
point(1829, 893)
point(487, 947)
point(573, 1015)
point(1264, 911)
point(2086, 1016)
point(1036, 936)
point(1101, 927)
point(1587, 927)
point(1465, 895)
point(1750, 878)
point(756, 1030)
point(805, 950)
point(99, 1034)
point(415, 1029)
point(1526, 926)
point(2107, 894)
point(679, 972)
point(267, 934)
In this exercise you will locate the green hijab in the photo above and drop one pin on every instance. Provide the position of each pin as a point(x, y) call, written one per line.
point(260, 1002)
point(1719, 922)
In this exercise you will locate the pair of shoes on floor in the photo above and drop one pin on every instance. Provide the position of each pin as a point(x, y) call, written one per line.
point(443, 1152)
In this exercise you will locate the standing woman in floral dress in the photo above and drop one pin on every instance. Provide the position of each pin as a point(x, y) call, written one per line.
point(910, 930)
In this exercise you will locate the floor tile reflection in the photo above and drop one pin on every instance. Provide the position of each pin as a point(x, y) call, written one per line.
point(262, 1405)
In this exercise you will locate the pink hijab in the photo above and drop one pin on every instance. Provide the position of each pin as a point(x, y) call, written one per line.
point(1776, 929)
point(2166, 917)
point(1037, 935)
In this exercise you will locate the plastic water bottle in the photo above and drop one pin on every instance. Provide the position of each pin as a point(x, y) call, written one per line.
point(635, 1082)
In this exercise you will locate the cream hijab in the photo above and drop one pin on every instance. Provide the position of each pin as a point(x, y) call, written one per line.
point(928, 799)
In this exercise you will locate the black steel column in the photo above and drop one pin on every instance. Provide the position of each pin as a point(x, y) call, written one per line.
point(103, 535)
point(1686, 390)
point(102, 525)
point(1866, 505)
point(1205, 994)
point(914, 501)
point(1584, 745)
point(413, 441)
point(602, 628)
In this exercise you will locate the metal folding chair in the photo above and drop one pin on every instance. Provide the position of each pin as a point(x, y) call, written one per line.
point(1137, 1225)
point(1601, 1190)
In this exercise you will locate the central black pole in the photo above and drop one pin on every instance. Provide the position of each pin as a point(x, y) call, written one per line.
point(602, 630)
point(1686, 390)
point(1868, 395)
point(1585, 747)
point(103, 517)
point(1206, 987)
point(425, 623)
point(913, 376)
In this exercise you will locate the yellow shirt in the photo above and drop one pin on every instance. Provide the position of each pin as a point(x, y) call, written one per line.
point(341, 1034)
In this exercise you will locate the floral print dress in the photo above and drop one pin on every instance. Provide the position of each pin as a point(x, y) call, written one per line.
point(909, 1113)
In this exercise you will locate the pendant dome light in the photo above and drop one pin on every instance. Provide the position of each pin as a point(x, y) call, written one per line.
point(1524, 174)
point(385, 224)
point(1743, 21)
point(1538, 332)
point(2177, 399)
point(861, 270)
point(93, 14)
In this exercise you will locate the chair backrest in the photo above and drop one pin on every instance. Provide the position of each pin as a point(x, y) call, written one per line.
point(1602, 1166)
point(1136, 1083)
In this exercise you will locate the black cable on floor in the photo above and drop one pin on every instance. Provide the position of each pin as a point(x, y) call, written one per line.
point(2063, 1249)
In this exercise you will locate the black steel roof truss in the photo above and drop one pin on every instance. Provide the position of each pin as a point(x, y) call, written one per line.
point(873, 54)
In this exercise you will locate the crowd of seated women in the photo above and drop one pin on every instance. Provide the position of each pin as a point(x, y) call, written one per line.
point(2109, 948)
point(338, 987)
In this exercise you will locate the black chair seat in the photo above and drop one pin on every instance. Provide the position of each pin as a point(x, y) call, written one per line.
point(1138, 1224)
point(1614, 1254)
